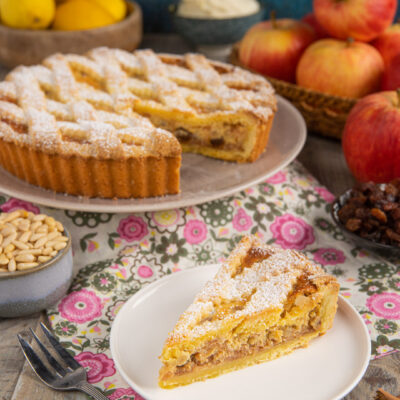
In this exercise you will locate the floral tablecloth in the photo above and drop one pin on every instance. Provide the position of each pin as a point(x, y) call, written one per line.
point(118, 254)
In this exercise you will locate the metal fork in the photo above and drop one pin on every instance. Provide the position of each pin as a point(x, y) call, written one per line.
point(58, 377)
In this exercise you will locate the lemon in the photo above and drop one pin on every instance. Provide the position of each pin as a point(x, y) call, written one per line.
point(88, 14)
point(80, 14)
point(117, 8)
point(27, 14)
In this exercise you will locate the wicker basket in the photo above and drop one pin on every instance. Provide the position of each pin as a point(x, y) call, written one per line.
point(324, 114)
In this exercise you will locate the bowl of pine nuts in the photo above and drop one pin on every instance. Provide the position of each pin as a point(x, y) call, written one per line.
point(35, 262)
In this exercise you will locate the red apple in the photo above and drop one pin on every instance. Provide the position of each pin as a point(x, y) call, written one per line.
point(361, 20)
point(371, 138)
point(391, 76)
point(336, 67)
point(274, 47)
point(311, 20)
point(388, 43)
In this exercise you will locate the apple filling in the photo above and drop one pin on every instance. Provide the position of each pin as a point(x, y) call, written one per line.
point(218, 351)
point(226, 137)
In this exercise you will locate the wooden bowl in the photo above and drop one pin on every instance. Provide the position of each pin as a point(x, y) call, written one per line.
point(324, 114)
point(28, 46)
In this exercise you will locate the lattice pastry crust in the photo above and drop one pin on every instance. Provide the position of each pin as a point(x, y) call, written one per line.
point(94, 125)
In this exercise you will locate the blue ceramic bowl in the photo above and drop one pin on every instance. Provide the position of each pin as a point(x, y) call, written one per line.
point(212, 31)
point(26, 292)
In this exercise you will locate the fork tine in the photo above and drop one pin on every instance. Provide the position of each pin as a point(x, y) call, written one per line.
point(35, 362)
point(70, 361)
point(52, 361)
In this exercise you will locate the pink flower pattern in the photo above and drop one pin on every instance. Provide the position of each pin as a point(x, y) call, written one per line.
point(329, 256)
point(385, 305)
point(292, 232)
point(145, 271)
point(16, 204)
point(98, 366)
point(279, 177)
point(325, 194)
point(125, 394)
point(132, 228)
point(195, 231)
point(242, 221)
point(80, 306)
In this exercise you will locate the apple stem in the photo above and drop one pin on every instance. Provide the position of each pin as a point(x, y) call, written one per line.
point(272, 16)
point(350, 41)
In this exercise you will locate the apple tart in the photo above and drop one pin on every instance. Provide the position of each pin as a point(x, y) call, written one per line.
point(109, 124)
point(263, 303)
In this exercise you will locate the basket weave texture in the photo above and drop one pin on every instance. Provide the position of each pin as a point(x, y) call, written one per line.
point(324, 114)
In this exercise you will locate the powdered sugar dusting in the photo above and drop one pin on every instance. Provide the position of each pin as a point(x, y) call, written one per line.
point(263, 285)
point(71, 92)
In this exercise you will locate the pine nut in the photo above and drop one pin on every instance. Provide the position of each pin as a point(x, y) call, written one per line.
point(53, 235)
point(25, 258)
point(11, 216)
point(25, 236)
point(35, 225)
point(47, 250)
point(9, 248)
point(39, 217)
point(26, 240)
point(42, 229)
point(3, 259)
point(41, 242)
point(20, 245)
point(36, 236)
point(23, 266)
point(12, 266)
point(8, 230)
point(24, 225)
point(59, 245)
point(35, 252)
point(10, 238)
point(50, 221)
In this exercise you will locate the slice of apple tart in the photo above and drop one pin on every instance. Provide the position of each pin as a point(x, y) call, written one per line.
point(263, 303)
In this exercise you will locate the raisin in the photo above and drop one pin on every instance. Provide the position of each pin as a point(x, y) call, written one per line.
point(217, 142)
point(346, 212)
point(379, 215)
point(373, 212)
point(183, 135)
point(353, 224)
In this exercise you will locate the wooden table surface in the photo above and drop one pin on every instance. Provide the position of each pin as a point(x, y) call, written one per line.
point(322, 157)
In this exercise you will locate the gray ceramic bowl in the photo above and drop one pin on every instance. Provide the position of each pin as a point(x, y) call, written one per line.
point(26, 292)
point(212, 31)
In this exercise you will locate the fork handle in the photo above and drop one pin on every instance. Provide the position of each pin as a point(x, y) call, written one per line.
point(91, 391)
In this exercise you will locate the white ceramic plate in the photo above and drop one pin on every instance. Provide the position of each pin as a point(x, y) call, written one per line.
point(326, 370)
point(202, 178)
